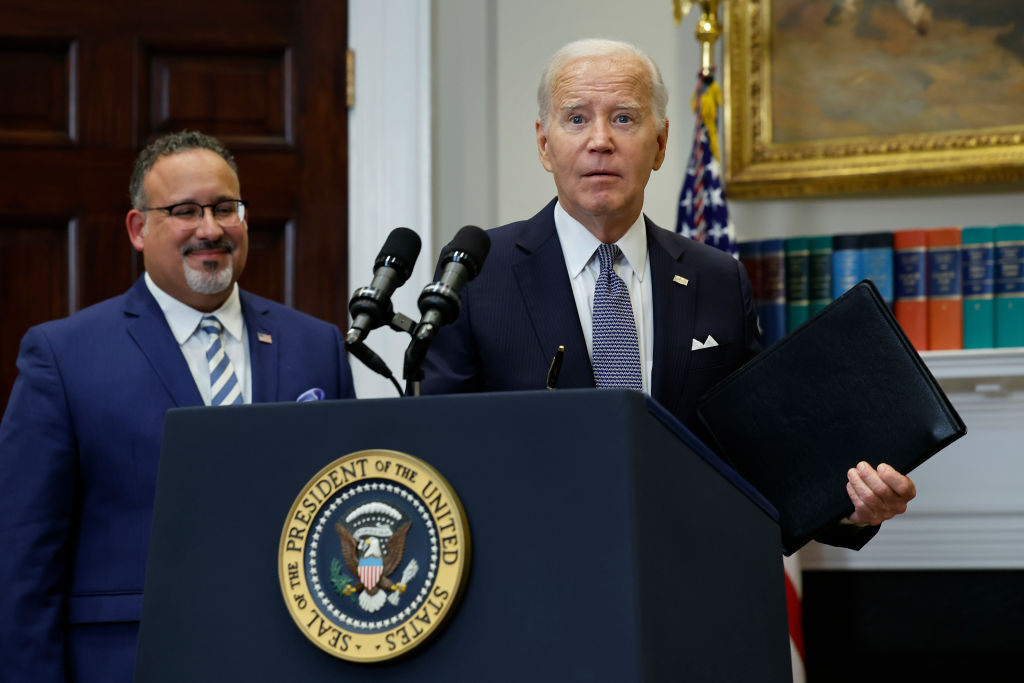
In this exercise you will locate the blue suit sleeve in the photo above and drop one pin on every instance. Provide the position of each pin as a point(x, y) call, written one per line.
point(452, 364)
point(345, 383)
point(37, 475)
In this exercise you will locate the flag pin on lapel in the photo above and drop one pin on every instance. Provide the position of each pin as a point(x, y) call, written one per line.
point(680, 280)
point(264, 337)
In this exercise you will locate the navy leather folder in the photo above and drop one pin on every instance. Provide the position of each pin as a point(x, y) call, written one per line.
point(845, 386)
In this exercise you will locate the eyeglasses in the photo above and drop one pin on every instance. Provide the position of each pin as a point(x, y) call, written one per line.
point(227, 213)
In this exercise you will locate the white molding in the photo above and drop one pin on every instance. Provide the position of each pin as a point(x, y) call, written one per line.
point(975, 363)
point(390, 158)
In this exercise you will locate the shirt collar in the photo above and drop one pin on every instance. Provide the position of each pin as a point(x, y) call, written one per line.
point(183, 319)
point(579, 244)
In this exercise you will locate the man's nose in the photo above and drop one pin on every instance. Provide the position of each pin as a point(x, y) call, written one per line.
point(601, 137)
point(208, 228)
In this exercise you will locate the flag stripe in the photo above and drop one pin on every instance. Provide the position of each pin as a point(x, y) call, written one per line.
point(793, 608)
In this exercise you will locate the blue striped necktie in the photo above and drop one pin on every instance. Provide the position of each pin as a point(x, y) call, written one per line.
point(615, 351)
point(224, 387)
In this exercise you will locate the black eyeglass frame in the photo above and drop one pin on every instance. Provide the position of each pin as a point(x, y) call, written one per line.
point(243, 205)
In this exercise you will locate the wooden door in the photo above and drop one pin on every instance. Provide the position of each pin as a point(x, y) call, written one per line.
point(84, 85)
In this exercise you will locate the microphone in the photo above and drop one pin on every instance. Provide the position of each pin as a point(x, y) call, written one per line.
point(440, 302)
point(461, 261)
point(371, 306)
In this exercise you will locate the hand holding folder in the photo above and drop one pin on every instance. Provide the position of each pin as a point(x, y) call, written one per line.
point(878, 494)
point(845, 387)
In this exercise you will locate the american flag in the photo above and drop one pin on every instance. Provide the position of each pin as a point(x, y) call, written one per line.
point(703, 215)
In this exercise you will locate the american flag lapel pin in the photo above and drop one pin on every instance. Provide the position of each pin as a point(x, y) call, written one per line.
point(680, 280)
point(264, 337)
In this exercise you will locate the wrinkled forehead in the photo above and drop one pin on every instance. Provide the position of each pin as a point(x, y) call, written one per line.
point(622, 80)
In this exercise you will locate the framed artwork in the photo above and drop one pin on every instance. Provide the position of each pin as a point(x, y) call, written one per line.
point(836, 96)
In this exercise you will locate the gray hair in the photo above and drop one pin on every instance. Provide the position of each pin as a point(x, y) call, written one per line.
point(600, 47)
point(165, 145)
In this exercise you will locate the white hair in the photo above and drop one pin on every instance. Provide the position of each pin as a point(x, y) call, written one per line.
point(600, 47)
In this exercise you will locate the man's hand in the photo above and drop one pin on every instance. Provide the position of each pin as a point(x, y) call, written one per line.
point(878, 495)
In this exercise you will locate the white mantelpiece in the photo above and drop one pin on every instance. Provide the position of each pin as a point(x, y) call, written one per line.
point(969, 511)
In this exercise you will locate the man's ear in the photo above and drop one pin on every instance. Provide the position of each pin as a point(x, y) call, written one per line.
point(542, 145)
point(659, 157)
point(135, 221)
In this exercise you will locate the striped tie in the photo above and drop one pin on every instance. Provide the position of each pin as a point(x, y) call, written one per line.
point(614, 348)
point(224, 387)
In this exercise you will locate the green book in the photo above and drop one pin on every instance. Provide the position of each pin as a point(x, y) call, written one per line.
point(977, 261)
point(819, 271)
point(798, 284)
point(1009, 294)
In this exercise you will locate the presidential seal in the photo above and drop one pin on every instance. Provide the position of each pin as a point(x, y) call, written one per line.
point(373, 555)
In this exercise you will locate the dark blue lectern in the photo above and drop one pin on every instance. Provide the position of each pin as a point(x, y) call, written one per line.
point(608, 544)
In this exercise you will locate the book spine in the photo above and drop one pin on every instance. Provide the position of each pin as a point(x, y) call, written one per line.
point(846, 263)
point(910, 291)
point(876, 263)
point(1009, 287)
point(945, 303)
point(977, 262)
point(819, 268)
point(773, 281)
point(750, 257)
point(797, 282)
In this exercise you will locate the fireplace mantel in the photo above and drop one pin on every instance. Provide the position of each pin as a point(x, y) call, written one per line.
point(969, 511)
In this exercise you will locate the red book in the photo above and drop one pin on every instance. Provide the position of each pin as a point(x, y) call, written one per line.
point(945, 300)
point(910, 263)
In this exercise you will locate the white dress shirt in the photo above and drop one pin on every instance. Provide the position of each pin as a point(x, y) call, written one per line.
point(579, 247)
point(184, 323)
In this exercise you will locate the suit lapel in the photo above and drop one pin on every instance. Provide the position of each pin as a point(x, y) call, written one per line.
point(148, 327)
point(539, 269)
point(674, 315)
point(263, 348)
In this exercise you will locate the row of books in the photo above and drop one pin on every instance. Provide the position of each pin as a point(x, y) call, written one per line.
point(949, 288)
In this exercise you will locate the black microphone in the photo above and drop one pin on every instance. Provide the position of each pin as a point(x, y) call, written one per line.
point(371, 306)
point(461, 261)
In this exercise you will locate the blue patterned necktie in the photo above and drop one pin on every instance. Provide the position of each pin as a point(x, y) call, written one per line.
point(224, 387)
point(615, 351)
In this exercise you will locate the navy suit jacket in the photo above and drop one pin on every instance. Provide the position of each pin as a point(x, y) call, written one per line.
point(520, 308)
point(79, 445)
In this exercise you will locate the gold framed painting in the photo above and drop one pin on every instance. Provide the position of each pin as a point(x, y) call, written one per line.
point(837, 96)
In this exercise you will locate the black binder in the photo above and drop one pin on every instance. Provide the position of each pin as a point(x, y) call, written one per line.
point(846, 386)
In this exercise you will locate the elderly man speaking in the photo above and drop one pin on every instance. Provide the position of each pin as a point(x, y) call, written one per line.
point(591, 273)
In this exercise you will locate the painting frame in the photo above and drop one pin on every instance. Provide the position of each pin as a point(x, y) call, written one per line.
point(758, 168)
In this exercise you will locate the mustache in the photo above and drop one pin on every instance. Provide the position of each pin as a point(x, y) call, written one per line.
point(202, 245)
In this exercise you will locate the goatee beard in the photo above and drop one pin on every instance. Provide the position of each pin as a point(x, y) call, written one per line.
point(209, 279)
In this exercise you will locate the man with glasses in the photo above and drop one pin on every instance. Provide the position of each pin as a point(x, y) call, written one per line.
point(81, 436)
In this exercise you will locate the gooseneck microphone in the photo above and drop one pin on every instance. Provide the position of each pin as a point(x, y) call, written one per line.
point(460, 262)
point(440, 301)
point(371, 306)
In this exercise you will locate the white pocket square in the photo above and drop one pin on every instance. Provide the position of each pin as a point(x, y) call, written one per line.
point(707, 344)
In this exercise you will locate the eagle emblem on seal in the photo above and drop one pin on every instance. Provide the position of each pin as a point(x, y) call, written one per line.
point(372, 544)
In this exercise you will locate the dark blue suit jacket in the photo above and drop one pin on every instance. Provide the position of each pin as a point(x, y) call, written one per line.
point(79, 445)
point(520, 309)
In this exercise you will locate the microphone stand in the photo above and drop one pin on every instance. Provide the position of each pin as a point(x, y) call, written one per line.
point(400, 323)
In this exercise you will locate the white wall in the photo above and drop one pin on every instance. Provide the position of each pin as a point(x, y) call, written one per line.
point(509, 41)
